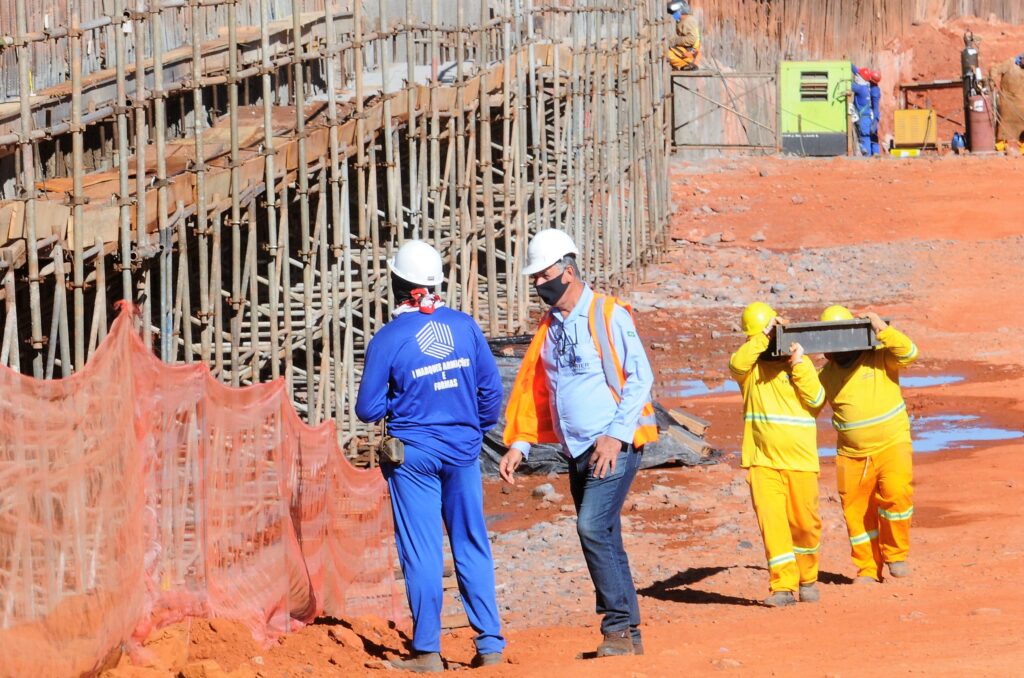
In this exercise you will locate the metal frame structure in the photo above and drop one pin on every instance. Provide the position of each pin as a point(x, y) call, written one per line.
point(695, 83)
point(242, 169)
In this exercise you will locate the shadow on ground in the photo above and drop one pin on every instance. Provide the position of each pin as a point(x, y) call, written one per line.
point(677, 589)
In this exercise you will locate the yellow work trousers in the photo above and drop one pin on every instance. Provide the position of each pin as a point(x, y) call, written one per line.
point(877, 495)
point(786, 503)
point(682, 59)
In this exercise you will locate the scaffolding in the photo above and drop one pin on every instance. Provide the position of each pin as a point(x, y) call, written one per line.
point(242, 169)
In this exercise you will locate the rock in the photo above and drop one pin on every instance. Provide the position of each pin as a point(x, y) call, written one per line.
point(763, 172)
point(204, 669)
point(725, 664)
point(986, 612)
point(744, 544)
point(728, 237)
point(797, 200)
point(543, 491)
point(344, 636)
point(778, 288)
point(505, 489)
point(711, 239)
point(715, 334)
point(694, 235)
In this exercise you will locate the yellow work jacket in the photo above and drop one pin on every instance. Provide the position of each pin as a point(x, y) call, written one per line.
point(867, 404)
point(780, 405)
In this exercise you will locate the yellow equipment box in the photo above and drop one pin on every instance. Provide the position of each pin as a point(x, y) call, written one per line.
point(915, 128)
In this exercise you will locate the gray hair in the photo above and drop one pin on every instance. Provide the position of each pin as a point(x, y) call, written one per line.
point(569, 261)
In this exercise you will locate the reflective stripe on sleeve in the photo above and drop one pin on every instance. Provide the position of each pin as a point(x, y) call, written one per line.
point(820, 397)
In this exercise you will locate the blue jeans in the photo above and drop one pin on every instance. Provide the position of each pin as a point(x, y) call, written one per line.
point(599, 525)
point(425, 490)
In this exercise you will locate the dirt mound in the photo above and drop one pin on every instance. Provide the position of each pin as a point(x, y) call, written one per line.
point(929, 52)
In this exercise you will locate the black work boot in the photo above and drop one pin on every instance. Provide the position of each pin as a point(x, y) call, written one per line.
point(421, 662)
point(615, 644)
point(486, 659)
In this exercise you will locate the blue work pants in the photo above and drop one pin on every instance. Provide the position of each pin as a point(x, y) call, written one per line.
point(864, 134)
point(425, 490)
point(599, 525)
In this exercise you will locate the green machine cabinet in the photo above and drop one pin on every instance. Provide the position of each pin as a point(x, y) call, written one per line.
point(813, 117)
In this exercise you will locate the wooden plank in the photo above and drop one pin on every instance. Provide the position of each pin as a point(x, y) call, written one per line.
point(688, 440)
point(690, 422)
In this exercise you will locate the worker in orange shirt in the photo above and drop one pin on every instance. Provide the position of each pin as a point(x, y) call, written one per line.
point(873, 463)
point(781, 399)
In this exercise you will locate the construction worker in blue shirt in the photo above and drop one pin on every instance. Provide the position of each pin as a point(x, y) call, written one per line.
point(585, 383)
point(861, 87)
point(876, 113)
point(430, 373)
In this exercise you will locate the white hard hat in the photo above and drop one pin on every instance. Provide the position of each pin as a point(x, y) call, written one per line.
point(546, 248)
point(417, 262)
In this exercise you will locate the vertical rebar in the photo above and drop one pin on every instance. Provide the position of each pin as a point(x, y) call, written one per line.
point(28, 189)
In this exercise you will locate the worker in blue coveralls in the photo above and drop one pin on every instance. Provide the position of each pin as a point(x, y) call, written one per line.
point(876, 114)
point(862, 107)
point(585, 382)
point(430, 373)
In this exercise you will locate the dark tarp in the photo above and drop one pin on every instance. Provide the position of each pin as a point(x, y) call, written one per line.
point(545, 458)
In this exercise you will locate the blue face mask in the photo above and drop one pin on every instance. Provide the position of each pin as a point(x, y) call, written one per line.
point(678, 16)
point(1019, 61)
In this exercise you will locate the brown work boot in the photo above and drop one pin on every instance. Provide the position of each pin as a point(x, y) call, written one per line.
point(421, 662)
point(780, 599)
point(899, 569)
point(638, 646)
point(809, 593)
point(864, 579)
point(615, 644)
point(486, 659)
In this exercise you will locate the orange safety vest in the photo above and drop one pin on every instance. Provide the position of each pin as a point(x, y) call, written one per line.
point(528, 414)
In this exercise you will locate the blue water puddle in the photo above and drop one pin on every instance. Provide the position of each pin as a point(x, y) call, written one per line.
point(946, 432)
point(929, 380)
point(690, 388)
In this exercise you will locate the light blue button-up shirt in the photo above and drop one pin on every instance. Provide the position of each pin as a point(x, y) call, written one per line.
point(582, 405)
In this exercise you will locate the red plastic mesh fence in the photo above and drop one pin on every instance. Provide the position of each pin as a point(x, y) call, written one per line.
point(135, 494)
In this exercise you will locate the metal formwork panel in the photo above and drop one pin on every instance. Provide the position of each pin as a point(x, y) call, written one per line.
point(826, 337)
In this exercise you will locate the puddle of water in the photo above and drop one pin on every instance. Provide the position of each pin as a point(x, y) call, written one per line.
point(946, 432)
point(955, 432)
point(930, 380)
point(689, 388)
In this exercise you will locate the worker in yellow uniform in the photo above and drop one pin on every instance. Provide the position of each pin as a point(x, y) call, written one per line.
point(684, 46)
point(781, 399)
point(873, 462)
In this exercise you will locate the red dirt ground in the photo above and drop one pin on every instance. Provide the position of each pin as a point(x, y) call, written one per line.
point(960, 222)
point(939, 247)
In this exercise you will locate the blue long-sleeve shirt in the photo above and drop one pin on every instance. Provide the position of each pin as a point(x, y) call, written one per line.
point(861, 94)
point(434, 378)
point(582, 406)
point(876, 99)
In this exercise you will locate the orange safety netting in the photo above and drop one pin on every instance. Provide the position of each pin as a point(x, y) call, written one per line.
point(134, 494)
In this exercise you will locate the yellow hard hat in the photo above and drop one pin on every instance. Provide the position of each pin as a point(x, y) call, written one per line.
point(756, 317)
point(836, 312)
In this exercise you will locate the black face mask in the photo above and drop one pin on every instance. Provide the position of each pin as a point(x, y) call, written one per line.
point(552, 290)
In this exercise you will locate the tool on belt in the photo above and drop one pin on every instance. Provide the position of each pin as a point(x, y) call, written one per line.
point(390, 449)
